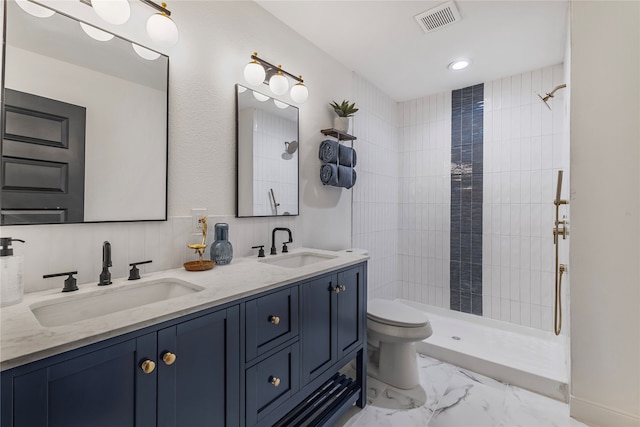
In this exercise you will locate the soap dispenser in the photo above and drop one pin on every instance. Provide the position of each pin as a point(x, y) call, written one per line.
point(10, 273)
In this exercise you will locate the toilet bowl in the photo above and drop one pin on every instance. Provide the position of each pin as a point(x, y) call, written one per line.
point(392, 331)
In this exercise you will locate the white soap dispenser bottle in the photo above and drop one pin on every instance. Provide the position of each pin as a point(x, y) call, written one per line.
point(11, 289)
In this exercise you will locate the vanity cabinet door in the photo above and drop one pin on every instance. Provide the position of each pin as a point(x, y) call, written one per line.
point(351, 322)
point(101, 388)
point(318, 322)
point(199, 371)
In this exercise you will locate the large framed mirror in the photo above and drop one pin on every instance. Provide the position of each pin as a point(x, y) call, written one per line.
point(267, 155)
point(84, 124)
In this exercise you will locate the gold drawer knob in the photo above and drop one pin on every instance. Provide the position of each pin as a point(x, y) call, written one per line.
point(275, 381)
point(274, 319)
point(168, 358)
point(148, 366)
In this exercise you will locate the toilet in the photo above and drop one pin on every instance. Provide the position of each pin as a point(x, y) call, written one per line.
point(393, 329)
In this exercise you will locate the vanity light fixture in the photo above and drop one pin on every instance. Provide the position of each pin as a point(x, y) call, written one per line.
point(160, 27)
point(260, 71)
point(34, 9)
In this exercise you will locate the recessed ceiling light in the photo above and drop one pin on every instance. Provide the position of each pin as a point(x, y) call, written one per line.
point(459, 64)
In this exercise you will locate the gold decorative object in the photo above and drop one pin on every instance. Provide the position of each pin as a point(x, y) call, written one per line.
point(200, 264)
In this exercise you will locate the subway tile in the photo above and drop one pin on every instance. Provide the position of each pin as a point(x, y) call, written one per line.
point(476, 304)
point(465, 302)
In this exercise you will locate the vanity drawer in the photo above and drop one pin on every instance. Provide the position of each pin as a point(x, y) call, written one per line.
point(271, 382)
point(271, 320)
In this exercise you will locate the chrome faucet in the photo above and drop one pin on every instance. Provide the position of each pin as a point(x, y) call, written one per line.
point(105, 276)
point(284, 245)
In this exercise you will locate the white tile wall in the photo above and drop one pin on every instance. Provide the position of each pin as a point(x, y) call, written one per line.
point(375, 195)
point(524, 147)
point(425, 199)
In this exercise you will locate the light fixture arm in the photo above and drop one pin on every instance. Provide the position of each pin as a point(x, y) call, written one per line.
point(270, 68)
point(160, 8)
point(156, 6)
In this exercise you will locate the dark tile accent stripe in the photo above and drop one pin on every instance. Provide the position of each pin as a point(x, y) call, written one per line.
point(467, 111)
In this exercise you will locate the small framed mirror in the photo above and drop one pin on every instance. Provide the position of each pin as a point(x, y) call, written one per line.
point(267, 155)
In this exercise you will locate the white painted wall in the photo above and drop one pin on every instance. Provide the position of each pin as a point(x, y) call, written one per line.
point(216, 41)
point(605, 226)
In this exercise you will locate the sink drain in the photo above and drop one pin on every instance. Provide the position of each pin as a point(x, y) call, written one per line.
point(456, 338)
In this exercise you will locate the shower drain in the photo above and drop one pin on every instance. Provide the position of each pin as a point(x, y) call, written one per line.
point(456, 338)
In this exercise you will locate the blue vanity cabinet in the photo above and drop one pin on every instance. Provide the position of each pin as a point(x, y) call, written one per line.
point(199, 371)
point(130, 380)
point(333, 315)
point(104, 387)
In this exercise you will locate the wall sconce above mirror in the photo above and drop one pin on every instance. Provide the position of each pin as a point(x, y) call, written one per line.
point(84, 120)
point(260, 71)
point(267, 155)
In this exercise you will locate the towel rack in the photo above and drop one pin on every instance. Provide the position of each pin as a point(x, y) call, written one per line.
point(339, 135)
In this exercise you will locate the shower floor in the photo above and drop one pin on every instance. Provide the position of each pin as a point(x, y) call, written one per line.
point(525, 357)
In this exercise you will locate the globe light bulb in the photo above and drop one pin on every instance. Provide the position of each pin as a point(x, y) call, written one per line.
point(254, 73)
point(162, 29)
point(113, 11)
point(279, 83)
point(299, 92)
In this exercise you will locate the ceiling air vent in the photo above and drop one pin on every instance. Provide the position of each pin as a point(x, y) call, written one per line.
point(438, 17)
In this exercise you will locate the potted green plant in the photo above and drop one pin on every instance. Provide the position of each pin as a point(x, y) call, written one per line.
point(343, 110)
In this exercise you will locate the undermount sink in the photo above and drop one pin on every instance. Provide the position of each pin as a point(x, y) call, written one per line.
point(74, 308)
point(296, 260)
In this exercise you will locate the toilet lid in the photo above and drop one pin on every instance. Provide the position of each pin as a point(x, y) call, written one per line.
point(395, 314)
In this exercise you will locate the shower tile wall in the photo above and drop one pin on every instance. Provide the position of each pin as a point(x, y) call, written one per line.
point(375, 196)
point(524, 147)
point(465, 267)
point(425, 188)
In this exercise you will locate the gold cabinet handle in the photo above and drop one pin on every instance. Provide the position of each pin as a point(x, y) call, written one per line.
point(336, 289)
point(169, 358)
point(274, 319)
point(274, 380)
point(342, 288)
point(148, 366)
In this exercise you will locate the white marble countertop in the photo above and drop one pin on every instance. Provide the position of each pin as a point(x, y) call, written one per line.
point(23, 339)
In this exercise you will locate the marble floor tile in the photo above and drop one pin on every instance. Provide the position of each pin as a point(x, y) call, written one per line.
point(470, 401)
point(449, 396)
point(524, 408)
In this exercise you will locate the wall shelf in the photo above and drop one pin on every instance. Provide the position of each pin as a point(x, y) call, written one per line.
point(339, 135)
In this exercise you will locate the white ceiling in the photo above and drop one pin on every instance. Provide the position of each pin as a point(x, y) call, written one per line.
point(382, 41)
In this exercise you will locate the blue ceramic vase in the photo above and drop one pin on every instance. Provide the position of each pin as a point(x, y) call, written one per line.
point(222, 250)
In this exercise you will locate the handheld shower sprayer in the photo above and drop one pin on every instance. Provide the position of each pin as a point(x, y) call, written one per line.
point(550, 95)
